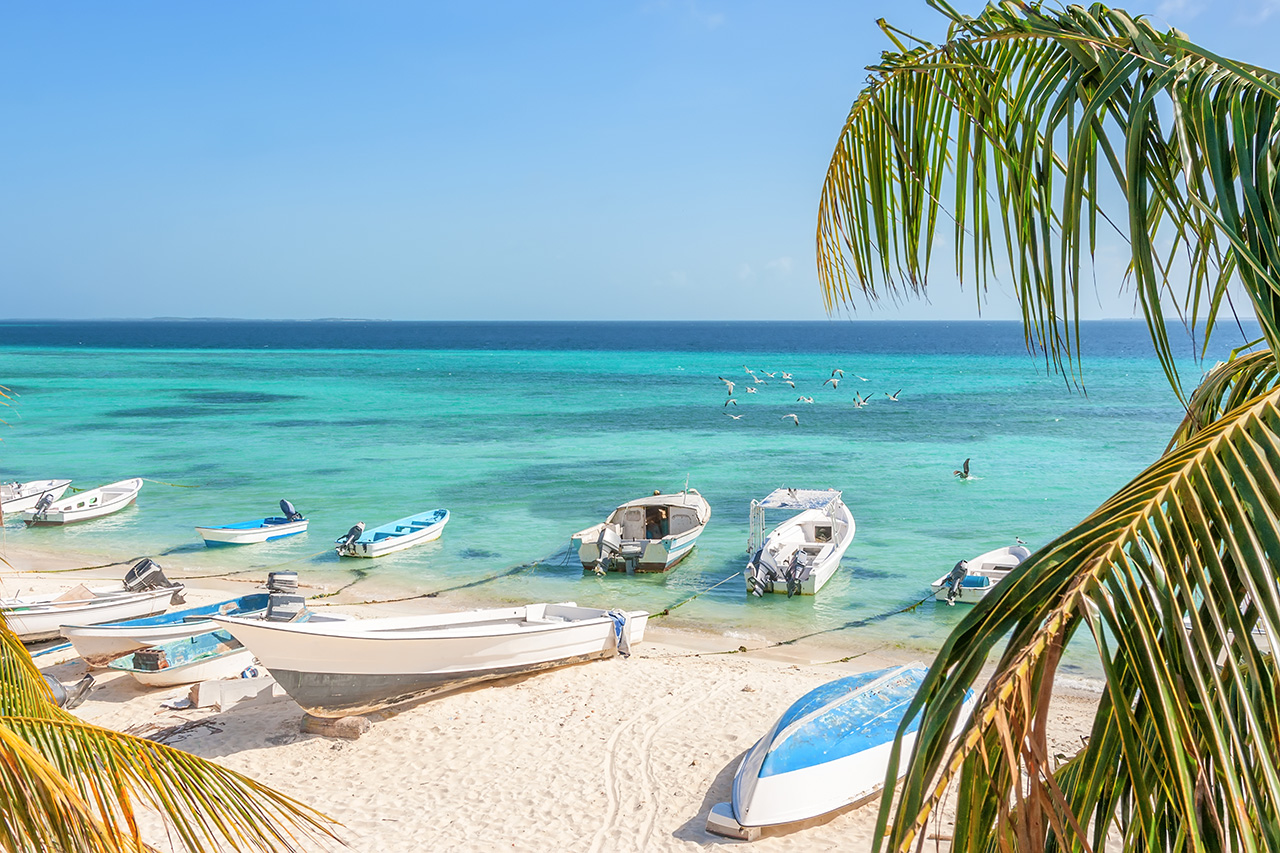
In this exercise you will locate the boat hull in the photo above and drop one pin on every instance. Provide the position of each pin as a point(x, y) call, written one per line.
point(364, 665)
point(87, 505)
point(43, 620)
point(251, 532)
point(98, 645)
point(209, 656)
point(986, 571)
point(27, 495)
point(639, 552)
point(826, 555)
point(829, 750)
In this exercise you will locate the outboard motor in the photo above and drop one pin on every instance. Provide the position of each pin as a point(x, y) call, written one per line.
point(954, 580)
point(284, 607)
point(343, 544)
point(757, 574)
point(68, 697)
point(145, 574)
point(610, 544)
point(282, 582)
point(290, 513)
point(42, 506)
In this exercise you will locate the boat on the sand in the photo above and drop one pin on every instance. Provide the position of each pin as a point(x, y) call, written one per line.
point(830, 749)
point(145, 591)
point(361, 665)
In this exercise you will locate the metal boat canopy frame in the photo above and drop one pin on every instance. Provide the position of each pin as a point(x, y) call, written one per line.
point(796, 500)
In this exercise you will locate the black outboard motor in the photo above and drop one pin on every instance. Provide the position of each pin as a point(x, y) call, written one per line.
point(68, 697)
point(343, 544)
point(145, 574)
point(290, 513)
point(41, 507)
point(954, 580)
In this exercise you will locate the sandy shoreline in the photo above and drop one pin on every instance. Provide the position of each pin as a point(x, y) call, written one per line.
point(617, 754)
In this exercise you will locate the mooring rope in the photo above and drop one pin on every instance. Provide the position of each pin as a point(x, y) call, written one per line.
point(508, 573)
point(666, 611)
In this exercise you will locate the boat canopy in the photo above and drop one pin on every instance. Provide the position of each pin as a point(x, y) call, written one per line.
point(800, 498)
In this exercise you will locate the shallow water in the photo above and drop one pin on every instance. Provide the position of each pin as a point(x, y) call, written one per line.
point(530, 432)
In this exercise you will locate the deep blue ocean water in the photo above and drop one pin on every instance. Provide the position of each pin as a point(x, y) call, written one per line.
point(528, 432)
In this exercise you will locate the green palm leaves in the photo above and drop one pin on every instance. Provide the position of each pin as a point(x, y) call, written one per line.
point(68, 785)
point(1024, 134)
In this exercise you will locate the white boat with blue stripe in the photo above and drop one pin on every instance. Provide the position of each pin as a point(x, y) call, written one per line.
point(394, 536)
point(650, 534)
point(258, 530)
point(803, 552)
point(972, 580)
point(829, 750)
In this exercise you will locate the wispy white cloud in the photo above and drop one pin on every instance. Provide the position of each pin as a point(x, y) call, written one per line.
point(1258, 12)
point(1182, 10)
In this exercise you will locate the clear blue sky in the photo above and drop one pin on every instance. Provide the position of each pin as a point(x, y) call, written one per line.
point(448, 160)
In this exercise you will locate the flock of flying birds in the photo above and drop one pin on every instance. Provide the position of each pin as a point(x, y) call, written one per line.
point(751, 386)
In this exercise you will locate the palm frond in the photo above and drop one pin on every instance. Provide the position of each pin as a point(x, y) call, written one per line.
point(1026, 116)
point(1229, 385)
point(207, 805)
point(1172, 577)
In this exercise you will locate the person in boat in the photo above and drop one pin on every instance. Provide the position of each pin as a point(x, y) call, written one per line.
point(657, 526)
point(954, 580)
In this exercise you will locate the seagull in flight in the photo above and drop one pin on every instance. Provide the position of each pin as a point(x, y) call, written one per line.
point(732, 415)
point(748, 370)
point(833, 382)
point(787, 376)
point(730, 400)
point(860, 401)
point(804, 399)
point(894, 395)
point(758, 380)
point(750, 390)
point(789, 382)
point(839, 371)
point(963, 474)
point(770, 375)
point(863, 378)
point(793, 418)
point(728, 382)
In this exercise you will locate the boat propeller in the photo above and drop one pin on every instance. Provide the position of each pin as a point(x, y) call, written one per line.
point(343, 543)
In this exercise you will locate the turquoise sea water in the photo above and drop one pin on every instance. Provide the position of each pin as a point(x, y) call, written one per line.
point(529, 433)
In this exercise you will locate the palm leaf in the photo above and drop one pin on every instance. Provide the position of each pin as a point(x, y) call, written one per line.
point(1171, 576)
point(104, 773)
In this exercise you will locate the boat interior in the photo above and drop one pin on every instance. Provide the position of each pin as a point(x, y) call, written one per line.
point(654, 522)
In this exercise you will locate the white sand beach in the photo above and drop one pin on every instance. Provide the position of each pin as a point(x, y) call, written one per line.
point(620, 754)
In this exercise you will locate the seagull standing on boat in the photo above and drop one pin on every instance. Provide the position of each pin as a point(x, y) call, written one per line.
point(833, 382)
point(894, 395)
point(963, 473)
point(793, 418)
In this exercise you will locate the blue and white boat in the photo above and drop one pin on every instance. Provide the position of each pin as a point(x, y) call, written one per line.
point(394, 536)
point(829, 750)
point(257, 530)
point(101, 644)
point(204, 657)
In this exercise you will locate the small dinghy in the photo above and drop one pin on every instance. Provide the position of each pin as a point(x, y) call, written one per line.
point(83, 506)
point(803, 552)
point(144, 592)
point(337, 669)
point(970, 581)
point(650, 534)
point(395, 536)
point(829, 750)
point(18, 497)
point(101, 644)
point(258, 530)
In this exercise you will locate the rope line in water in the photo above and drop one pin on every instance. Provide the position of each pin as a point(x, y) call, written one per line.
point(666, 611)
point(508, 573)
point(257, 568)
point(175, 485)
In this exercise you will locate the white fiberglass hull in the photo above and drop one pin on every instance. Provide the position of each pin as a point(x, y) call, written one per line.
point(335, 670)
point(402, 535)
point(641, 552)
point(87, 505)
point(789, 536)
point(16, 498)
point(42, 618)
point(986, 571)
point(228, 665)
point(232, 535)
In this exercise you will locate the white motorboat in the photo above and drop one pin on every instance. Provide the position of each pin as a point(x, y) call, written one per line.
point(650, 534)
point(17, 497)
point(829, 750)
point(970, 581)
point(803, 552)
point(101, 644)
point(352, 667)
point(145, 591)
point(258, 530)
point(393, 536)
point(83, 506)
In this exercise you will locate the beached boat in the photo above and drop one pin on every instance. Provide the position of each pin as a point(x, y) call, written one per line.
point(800, 554)
point(970, 581)
point(205, 657)
point(83, 506)
point(829, 750)
point(339, 669)
point(258, 530)
point(395, 536)
point(651, 534)
point(101, 644)
point(17, 497)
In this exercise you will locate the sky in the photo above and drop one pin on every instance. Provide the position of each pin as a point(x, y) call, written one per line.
point(453, 160)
